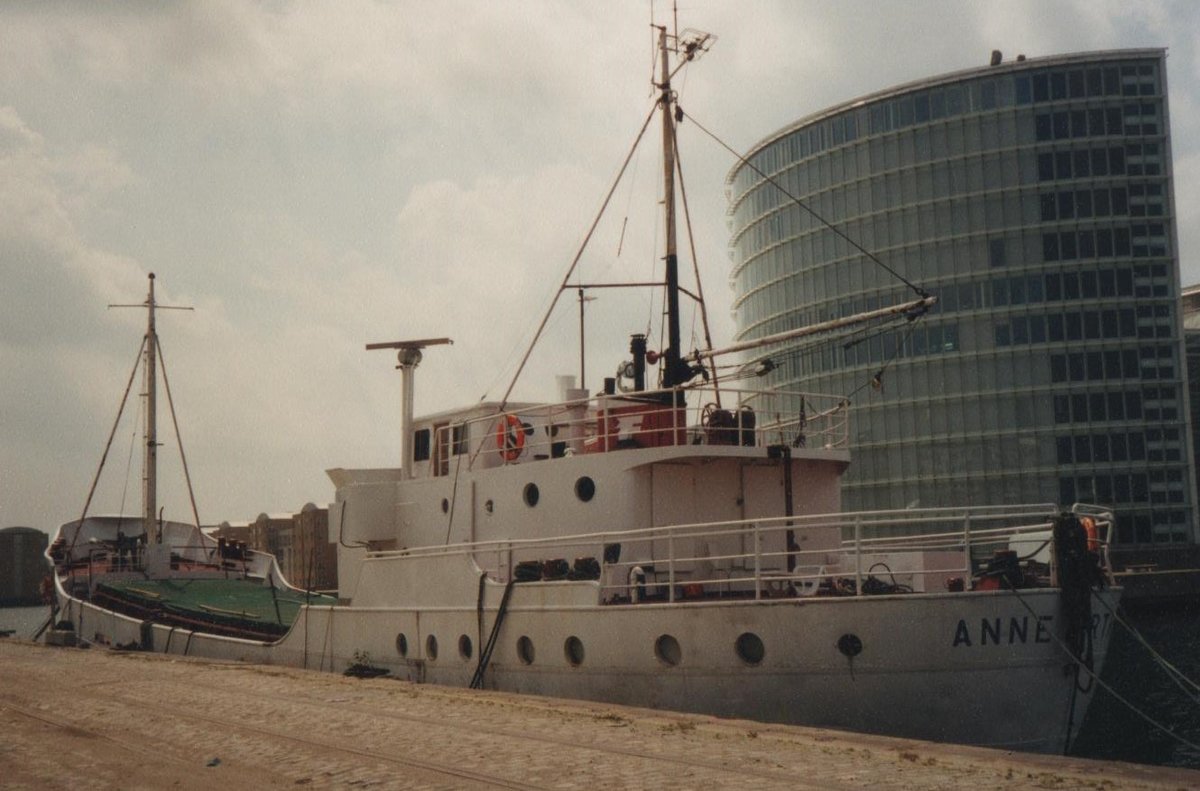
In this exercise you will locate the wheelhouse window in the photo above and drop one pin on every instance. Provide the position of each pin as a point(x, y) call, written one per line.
point(421, 445)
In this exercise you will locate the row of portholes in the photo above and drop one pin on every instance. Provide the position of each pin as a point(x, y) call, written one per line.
point(748, 646)
point(465, 647)
point(585, 490)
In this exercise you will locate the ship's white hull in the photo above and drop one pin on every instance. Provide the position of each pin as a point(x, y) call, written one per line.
point(972, 668)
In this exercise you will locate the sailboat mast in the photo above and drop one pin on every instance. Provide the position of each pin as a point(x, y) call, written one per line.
point(674, 371)
point(150, 433)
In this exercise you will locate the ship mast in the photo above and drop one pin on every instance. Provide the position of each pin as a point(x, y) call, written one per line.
point(150, 432)
point(150, 353)
point(689, 44)
point(672, 375)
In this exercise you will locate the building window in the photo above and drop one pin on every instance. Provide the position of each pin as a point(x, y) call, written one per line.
point(996, 255)
point(1049, 247)
point(1045, 167)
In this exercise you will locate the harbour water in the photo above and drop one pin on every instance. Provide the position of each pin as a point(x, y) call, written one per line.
point(1111, 732)
point(24, 620)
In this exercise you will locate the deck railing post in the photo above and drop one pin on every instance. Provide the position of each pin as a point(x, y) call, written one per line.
point(967, 549)
point(757, 562)
point(675, 417)
point(671, 566)
point(858, 555)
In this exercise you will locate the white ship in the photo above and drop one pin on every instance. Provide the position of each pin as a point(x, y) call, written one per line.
point(677, 545)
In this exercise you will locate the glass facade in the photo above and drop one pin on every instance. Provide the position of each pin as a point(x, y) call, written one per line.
point(1034, 199)
point(1190, 307)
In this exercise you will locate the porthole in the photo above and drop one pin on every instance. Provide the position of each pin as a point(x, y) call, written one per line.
point(667, 649)
point(431, 647)
point(585, 488)
point(850, 645)
point(525, 650)
point(750, 648)
point(464, 646)
point(531, 494)
point(401, 644)
point(573, 649)
point(445, 506)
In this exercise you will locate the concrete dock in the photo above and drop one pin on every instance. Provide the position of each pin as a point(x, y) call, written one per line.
point(98, 719)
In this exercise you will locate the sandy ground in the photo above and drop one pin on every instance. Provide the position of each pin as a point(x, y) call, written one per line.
point(96, 719)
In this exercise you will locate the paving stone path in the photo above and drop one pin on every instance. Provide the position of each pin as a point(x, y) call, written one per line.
point(98, 719)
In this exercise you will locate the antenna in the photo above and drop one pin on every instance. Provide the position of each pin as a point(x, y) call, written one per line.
point(582, 301)
point(694, 43)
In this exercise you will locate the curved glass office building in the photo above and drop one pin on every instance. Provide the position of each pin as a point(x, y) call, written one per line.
point(1034, 199)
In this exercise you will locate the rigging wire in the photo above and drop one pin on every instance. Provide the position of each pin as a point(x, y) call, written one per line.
point(653, 50)
point(871, 256)
point(129, 462)
point(515, 349)
point(687, 217)
point(876, 381)
point(659, 197)
point(162, 363)
point(579, 254)
point(805, 349)
point(629, 201)
point(453, 496)
point(848, 340)
point(108, 445)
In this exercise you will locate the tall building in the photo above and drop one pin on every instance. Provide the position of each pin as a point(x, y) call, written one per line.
point(1034, 198)
point(23, 565)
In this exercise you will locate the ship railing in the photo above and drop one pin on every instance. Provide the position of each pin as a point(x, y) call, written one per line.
point(851, 554)
point(652, 418)
point(96, 550)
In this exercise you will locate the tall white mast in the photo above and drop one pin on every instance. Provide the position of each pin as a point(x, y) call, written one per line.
point(150, 429)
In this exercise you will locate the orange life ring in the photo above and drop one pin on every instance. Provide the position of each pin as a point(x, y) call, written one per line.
point(1093, 534)
point(510, 437)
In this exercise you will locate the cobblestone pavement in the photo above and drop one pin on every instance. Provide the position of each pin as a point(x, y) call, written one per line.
point(97, 719)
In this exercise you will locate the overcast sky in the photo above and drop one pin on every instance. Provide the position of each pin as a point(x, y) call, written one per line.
point(313, 177)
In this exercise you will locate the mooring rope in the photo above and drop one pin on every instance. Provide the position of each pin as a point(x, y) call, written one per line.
point(1175, 674)
point(1104, 685)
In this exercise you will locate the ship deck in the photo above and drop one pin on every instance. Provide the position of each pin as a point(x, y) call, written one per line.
point(232, 606)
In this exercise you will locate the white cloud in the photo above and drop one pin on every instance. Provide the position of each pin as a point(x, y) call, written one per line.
point(313, 177)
